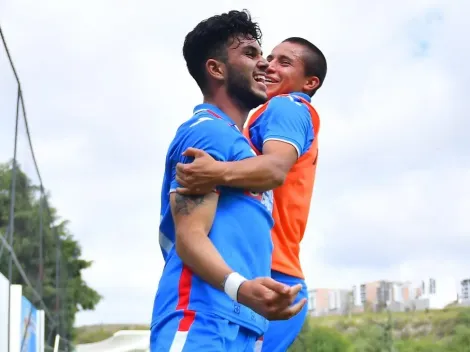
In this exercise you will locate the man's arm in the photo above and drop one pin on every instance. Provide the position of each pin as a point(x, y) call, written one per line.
point(193, 217)
point(261, 173)
point(285, 133)
point(282, 131)
point(264, 172)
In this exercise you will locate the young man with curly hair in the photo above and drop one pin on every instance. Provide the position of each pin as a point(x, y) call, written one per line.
point(216, 293)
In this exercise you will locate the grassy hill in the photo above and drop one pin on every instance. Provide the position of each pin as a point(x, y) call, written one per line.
point(446, 330)
point(95, 333)
point(423, 327)
point(438, 323)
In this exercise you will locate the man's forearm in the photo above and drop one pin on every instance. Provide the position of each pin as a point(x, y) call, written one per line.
point(198, 252)
point(193, 217)
point(262, 173)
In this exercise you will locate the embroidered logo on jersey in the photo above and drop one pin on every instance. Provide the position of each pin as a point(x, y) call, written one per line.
point(199, 120)
point(267, 199)
point(252, 194)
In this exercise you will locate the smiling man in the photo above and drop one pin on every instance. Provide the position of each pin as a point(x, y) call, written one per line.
point(284, 134)
point(215, 293)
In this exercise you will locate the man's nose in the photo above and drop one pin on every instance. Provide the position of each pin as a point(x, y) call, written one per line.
point(270, 68)
point(263, 64)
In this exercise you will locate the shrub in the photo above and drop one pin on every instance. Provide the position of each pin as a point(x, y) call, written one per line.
point(320, 339)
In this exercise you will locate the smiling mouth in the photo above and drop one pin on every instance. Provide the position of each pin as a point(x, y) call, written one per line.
point(260, 78)
point(268, 80)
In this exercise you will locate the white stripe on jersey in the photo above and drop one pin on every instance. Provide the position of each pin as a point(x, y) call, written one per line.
point(179, 341)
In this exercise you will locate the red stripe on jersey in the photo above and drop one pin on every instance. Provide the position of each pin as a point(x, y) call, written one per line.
point(184, 290)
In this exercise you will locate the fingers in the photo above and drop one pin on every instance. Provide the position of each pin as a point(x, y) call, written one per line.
point(182, 181)
point(288, 312)
point(293, 310)
point(183, 191)
point(193, 192)
point(194, 152)
point(276, 286)
point(281, 292)
point(182, 168)
point(293, 290)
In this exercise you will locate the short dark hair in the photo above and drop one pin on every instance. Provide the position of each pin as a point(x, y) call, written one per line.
point(314, 60)
point(210, 39)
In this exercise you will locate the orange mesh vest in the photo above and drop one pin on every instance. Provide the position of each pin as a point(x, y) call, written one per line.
point(291, 201)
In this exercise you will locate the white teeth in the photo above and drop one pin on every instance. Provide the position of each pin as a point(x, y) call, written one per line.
point(260, 79)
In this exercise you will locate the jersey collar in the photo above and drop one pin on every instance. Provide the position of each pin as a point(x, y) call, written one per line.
point(216, 110)
point(302, 95)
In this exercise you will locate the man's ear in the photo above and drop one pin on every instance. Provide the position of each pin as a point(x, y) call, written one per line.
point(311, 83)
point(215, 69)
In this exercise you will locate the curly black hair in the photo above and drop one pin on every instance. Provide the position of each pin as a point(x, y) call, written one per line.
point(211, 38)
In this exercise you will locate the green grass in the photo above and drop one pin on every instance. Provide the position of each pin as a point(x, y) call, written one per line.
point(95, 333)
point(426, 326)
point(434, 324)
point(446, 330)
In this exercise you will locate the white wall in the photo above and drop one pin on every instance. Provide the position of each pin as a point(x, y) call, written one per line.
point(312, 300)
point(397, 293)
point(40, 327)
point(357, 295)
point(16, 321)
point(15, 317)
point(4, 287)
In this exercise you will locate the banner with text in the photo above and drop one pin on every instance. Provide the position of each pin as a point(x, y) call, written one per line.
point(28, 326)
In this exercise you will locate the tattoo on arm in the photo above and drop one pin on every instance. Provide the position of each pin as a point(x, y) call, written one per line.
point(184, 205)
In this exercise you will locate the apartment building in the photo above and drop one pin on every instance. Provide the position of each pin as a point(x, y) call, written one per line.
point(396, 296)
point(409, 295)
point(324, 301)
point(374, 294)
point(464, 298)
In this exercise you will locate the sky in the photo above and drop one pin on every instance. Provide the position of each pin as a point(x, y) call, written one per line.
point(106, 86)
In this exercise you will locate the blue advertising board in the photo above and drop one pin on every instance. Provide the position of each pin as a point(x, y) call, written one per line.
point(28, 326)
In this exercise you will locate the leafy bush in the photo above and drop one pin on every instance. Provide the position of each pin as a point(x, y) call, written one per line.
point(461, 339)
point(419, 346)
point(320, 339)
point(435, 331)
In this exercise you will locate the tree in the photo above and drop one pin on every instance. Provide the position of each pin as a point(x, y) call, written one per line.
point(61, 254)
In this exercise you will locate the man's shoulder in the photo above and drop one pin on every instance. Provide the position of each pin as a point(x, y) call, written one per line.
point(202, 124)
point(287, 101)
point(202, 117)
point(285, 105)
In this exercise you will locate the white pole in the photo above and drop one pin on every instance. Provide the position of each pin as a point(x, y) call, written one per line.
point(56, 343)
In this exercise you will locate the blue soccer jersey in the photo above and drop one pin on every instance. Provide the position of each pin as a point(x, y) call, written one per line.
point(285, 119)
point(240, 232)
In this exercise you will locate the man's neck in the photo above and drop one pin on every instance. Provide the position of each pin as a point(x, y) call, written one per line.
point(230, 107)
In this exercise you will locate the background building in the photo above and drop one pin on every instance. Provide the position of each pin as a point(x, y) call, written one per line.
point(464, 298)
point(324, 301)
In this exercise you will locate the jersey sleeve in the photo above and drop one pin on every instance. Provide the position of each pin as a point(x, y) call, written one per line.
point(288, 121)
point(207, 134)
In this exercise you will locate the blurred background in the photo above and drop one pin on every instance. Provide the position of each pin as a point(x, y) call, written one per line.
point(91, 94)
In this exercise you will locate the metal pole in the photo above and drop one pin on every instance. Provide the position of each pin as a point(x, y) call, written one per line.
point(57, 282)
point(41, 259)
point(11, 217)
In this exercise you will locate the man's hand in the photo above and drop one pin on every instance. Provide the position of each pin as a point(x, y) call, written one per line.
point(271, 299)
point(201, 176)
